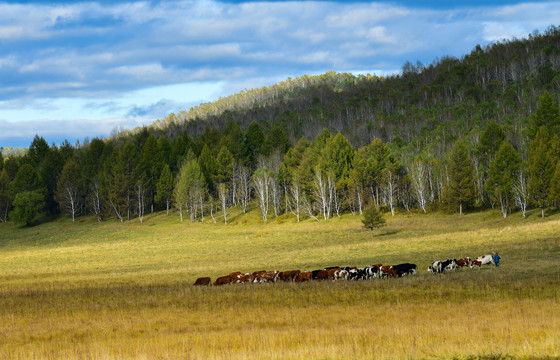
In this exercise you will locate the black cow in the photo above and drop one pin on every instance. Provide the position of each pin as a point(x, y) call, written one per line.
point(405, 269)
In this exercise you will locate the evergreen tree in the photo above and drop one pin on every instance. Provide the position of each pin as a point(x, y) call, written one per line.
point(149, 168)
point(368, 167)
point(555, 185)
point(208, 166)
point(277, 140)
point(372, 219)
point(337, 157)
point(165, 187)
point(224, 166)
point(546, 115)
point(254, 145)
point(234, 139)
point(501, 176)
point(28, 206)
point(163, 152)
point(180, 147)
point(26, 179)
point(37, 152)
point(90, 164)
point(460, 188)
point(5, 195)
point(541, 168)
point(49, 172)
point(490, 141)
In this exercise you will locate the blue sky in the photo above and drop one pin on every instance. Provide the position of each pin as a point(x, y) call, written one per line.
point(77, 69)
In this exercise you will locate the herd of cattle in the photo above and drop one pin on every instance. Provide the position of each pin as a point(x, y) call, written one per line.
point(378, 271)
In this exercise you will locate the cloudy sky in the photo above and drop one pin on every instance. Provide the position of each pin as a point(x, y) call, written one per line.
point(77, 69)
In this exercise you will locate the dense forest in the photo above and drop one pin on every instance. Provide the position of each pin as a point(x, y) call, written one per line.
point(481, 131)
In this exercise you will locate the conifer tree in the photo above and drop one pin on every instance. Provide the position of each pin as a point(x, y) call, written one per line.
point(372, 219)
point(460, 188)
point(224, 166)
point(501, 176)
point(28, 206)
point(254, 145)
point(164, 188)
point(541, 168)
point(277, 139)
point(208, 166)
point(547, 114)
point(5, 196)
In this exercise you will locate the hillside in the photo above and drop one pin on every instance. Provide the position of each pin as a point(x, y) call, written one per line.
point(426, 107)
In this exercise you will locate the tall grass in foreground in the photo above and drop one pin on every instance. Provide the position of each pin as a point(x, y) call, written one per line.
point(124, 291)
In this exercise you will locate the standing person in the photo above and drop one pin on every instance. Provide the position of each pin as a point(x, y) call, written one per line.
point(497, 259)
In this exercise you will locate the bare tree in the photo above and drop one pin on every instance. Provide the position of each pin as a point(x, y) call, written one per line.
point(96, 199)
point(390, 189)
point(419, 177)
point(70, 201)
point(334, 197)
point(307, 207)
point(140, 191)
point(321, 193)
point(275, 191)
point(223, 194)
point(295, 190)
point(261, 184)
point(244, 180)
point(520, 193)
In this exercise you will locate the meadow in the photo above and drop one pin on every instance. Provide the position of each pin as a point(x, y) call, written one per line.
point(112, 290)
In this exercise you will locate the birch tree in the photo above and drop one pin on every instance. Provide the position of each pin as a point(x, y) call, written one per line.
point(67, 189)
point(224, 196)
point(520, 192)
point(419, 178)
point(261, 184)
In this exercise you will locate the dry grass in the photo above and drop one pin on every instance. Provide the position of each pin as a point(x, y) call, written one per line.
point(123, 291)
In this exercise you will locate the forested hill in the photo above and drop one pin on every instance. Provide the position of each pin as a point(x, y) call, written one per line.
point(426, 107)
point(482, 131)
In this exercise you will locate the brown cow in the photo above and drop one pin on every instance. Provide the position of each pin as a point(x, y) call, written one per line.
point(234, 274)
point(464, 262)
point(387, 271)
point(304, 276)
point(203, 281)
point(323, 275)
point(223, 280)
point(476, 262)
point(266, 277)
point(289, 275)
point(340, 274)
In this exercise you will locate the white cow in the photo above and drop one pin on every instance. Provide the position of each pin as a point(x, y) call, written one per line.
point(485, 260)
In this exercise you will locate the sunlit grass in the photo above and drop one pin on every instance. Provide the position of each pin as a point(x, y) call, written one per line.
point(116, 290)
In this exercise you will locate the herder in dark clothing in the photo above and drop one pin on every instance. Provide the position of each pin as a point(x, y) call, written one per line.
point(497, 259)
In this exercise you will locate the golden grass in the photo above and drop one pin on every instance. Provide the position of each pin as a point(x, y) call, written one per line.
point(124, 291)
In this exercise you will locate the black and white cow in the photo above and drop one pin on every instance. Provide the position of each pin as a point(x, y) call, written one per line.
point(442, 266)
point(449, 265)
point(435, 267)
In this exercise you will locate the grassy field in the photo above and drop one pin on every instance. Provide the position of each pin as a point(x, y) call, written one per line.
point(113, 290)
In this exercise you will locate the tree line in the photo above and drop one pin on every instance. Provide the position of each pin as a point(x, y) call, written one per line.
point(203, 178)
